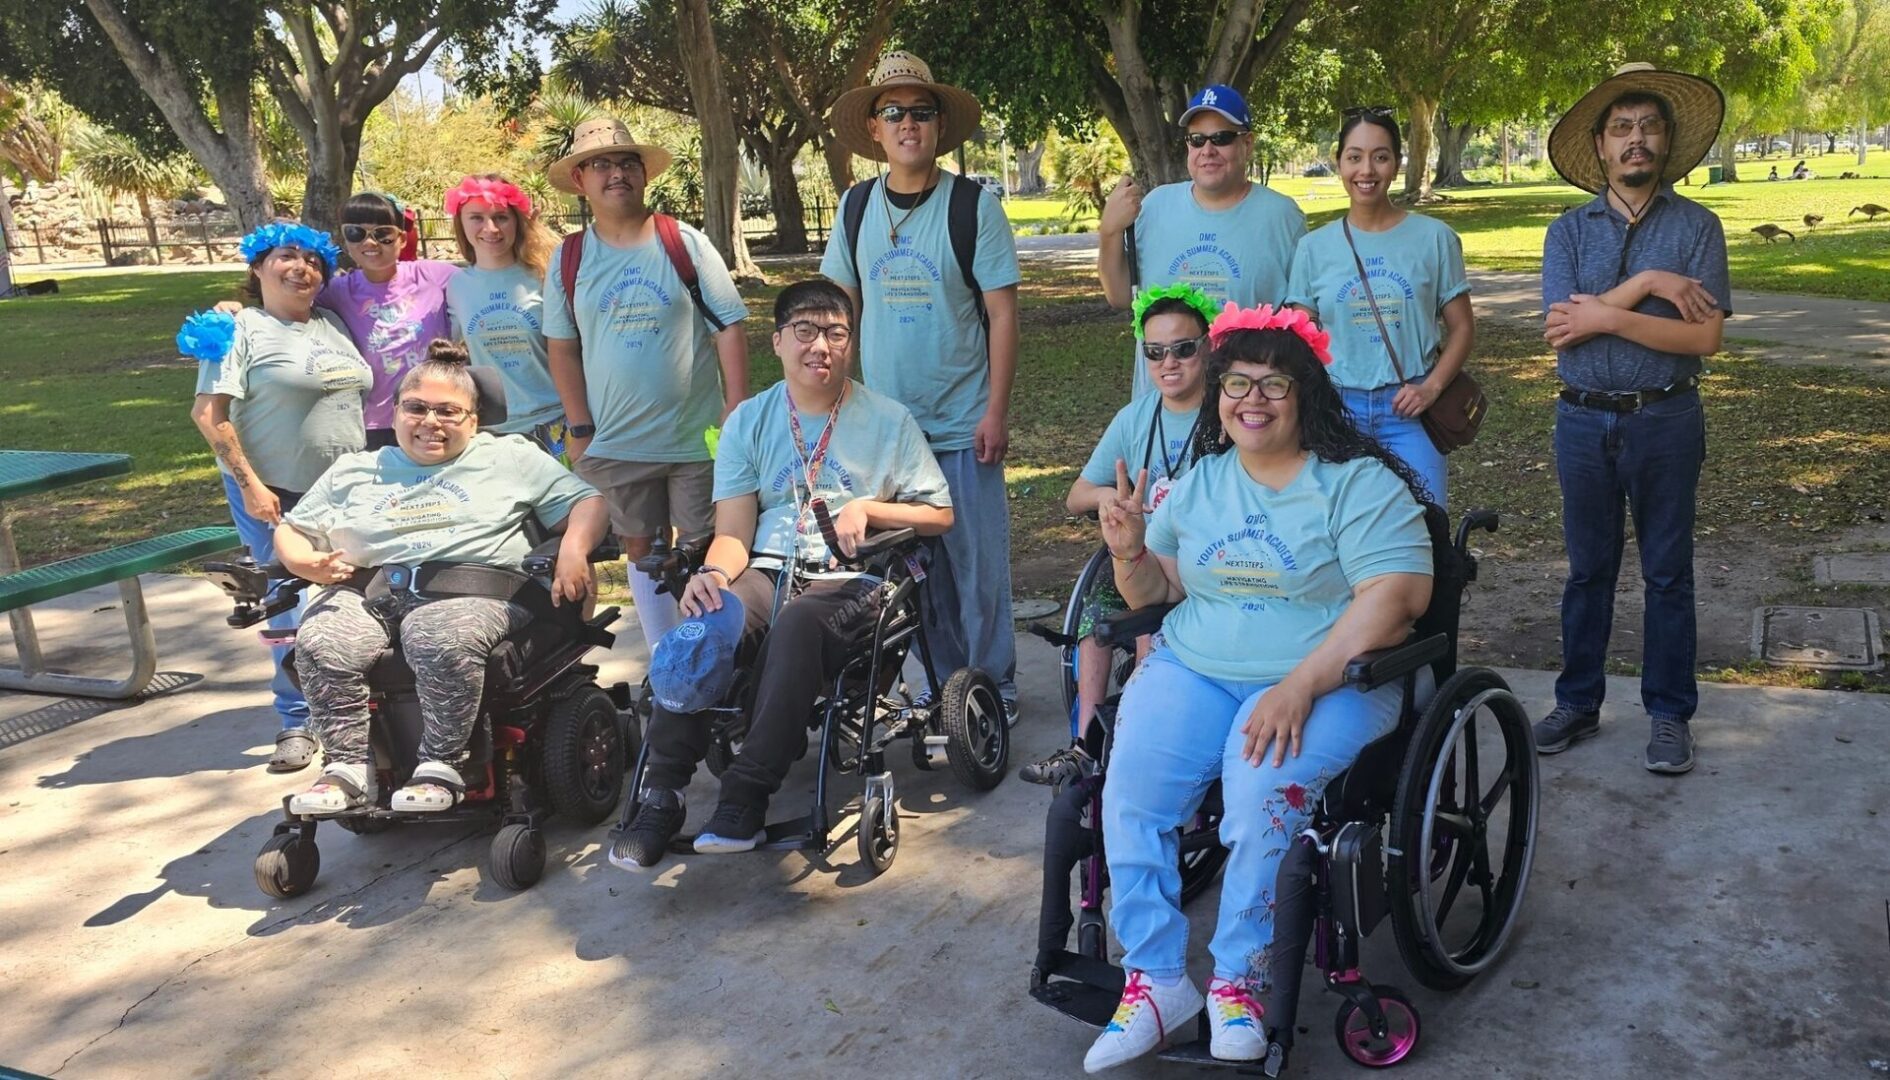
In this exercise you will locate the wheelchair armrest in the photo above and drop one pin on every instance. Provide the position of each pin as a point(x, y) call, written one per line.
point(543, 559)
point(250, 586)
point(881, 543)
point(1122, 628)
point(1371, 670)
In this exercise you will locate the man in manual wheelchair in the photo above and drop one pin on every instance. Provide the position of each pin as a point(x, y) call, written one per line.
point(795, 595)
point(1286, 577)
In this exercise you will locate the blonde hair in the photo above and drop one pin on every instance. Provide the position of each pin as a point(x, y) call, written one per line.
point(531, 242)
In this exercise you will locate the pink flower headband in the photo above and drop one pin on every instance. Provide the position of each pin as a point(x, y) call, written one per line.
point(1233, 317)
point(490, 192)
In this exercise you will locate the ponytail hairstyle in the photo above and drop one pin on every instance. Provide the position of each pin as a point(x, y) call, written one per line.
point(449, 362)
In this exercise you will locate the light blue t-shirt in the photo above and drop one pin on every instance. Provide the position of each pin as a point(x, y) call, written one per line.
point(877, 452)
point(650, 371)
point(1240, 254)
point(378, 507)
point(500, 316)
point(1416, 267)
point(920, 339)
point(1166, 457)
point(1267, 572)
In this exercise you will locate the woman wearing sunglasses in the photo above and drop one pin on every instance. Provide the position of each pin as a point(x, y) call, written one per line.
point(1155, 432)
point(1390, 360)
point(1295, 543)
point(446, 493)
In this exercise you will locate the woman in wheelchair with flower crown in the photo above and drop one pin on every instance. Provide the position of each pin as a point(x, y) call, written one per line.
point(1294, 544)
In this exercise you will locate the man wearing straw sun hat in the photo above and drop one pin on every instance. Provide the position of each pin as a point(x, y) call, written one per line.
point(929, 261)
point(1636, 293)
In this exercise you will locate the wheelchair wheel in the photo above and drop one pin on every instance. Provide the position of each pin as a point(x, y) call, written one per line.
point(286, 866)
point(517, 858)
point(1464, 822)
point(879, 834)
point(1097, 569)
point(977, 739)
point(584, 756)
point(1354, 1031)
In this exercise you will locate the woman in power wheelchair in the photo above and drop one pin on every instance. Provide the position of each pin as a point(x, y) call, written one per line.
point(433, 616)
point(1283, 561)
point(790, 589)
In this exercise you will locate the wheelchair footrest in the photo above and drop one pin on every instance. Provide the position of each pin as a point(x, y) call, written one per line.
point(1081, 1002)
point(796, 834)
point(1197, 1053)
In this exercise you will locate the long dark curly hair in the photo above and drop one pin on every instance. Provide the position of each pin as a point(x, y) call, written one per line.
point(1325, 425)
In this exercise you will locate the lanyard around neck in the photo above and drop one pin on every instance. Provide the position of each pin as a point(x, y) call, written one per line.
point(810, 463)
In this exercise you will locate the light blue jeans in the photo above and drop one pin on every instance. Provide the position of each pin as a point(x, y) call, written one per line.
point(1402, 435)
point(260, 538)
point(968, 585)
point(1176, 732)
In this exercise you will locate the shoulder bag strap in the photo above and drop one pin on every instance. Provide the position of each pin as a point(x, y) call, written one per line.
point(571, 253)
point(1366, 284)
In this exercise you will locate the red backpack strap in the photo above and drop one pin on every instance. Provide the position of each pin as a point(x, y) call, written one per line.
point(569, 255)
point(671, 234)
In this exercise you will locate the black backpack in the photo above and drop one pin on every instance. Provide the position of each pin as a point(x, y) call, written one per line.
point(961, 223)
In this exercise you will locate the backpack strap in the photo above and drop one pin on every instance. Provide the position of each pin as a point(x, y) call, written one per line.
point(961, 221)
point(570, 253)
point(671, 234)
point(853, 216)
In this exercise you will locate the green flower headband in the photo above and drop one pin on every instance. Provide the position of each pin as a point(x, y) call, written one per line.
point(1181, 291)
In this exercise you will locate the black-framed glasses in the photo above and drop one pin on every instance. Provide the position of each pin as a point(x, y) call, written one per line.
point(604, 166)
point(1235, 386)
point(896, 114)
point(360, 234)
point(1383, 112)
point(1198, 139)
point(1621, 126)
point(806, 330)
point(1155, 352)
point(448, 413)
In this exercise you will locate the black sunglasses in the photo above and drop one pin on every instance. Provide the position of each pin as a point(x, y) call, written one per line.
point(1156, 352)
point(1379, 111)
point(1199, 139)
point(380, 234)
point(896, 114)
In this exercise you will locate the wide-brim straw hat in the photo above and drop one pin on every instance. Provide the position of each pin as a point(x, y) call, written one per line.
point(595, 137)
point(1698, 110)
point(958, 110)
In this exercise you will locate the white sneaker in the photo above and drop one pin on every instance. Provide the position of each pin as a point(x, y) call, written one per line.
point(1142, 1022)
point(1234, 1019)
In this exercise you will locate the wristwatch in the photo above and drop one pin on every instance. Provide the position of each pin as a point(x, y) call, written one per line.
point(581, 431)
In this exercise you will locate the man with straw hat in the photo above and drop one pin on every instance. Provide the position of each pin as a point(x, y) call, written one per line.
point(634, 351)
point(1636, 293)
point(929, 261)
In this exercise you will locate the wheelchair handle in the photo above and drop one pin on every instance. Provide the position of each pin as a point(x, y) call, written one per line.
point(1473, 520)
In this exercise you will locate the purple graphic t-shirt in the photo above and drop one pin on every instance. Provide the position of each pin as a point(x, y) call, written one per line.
point(391, 324)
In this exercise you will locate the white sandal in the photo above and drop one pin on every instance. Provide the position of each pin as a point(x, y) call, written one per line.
point(341, 789)
point(434, 786)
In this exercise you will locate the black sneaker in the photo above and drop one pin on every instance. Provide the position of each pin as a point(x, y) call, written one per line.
point(1563, 727)
point(1060, 769)
point(733, 827)
point(658, 820)
point(1670, 749)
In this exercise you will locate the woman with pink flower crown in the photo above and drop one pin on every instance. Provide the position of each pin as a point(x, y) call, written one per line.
point(1295, 543)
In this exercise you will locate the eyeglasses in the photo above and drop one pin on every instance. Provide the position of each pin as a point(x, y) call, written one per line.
point(380, 234)
point(604, 166)
point(1621, 127)
point(805, 331)
point(1235, 386)
point(1378, 111)
point(896, 114)
point(1198, 139)
point(448, 414)
point(1156, 352)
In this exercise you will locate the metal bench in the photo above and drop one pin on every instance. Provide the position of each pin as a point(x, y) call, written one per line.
point(67, 576)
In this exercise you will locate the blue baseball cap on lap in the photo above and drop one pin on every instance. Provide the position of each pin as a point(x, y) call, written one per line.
point(694, 664)
point(1219, 98)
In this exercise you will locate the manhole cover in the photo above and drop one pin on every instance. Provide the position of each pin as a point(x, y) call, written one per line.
point(1832, 639)
point(1022, 610)
point(1852, 568)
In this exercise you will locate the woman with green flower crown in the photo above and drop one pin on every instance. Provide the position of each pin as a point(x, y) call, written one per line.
point(1154, 432)
point(279, 394)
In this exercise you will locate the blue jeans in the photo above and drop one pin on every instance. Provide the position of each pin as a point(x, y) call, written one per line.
point(968, 585)
point(1176, 732)
point(1402, 435)
point(1648, 462)
point(260, 538)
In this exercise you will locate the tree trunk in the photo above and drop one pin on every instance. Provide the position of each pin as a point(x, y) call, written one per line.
point(6, 239)
point(721, 150)
point(1030, 169)
point(1451, 140)
point(330, 181)
point(1417, 171)
point(839, 164)
point(1505, 152)
point(784, 192)
point(1863, 134)
point(1728, 156)
point(1131, 99)
point(1798, 143)
point(1830, 142)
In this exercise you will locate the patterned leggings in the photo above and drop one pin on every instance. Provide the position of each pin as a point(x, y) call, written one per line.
point(446, 642)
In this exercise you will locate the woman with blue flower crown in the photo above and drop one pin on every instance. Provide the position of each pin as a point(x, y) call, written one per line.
point(279, 396)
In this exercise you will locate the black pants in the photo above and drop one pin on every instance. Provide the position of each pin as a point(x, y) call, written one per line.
point(797, 658)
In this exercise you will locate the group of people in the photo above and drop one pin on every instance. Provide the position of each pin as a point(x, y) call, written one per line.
point(1268, 478)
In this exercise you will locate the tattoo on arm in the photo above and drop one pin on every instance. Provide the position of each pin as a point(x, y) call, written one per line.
point(230, 452)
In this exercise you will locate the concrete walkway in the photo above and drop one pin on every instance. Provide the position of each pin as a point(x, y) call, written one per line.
point(1729, 923)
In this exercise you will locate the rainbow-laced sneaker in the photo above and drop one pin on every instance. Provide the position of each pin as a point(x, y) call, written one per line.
point(1147, 1014)
point(1234, 1014)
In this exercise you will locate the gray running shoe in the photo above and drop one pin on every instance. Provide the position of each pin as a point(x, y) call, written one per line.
point(1670, 749)
point(1563, 727)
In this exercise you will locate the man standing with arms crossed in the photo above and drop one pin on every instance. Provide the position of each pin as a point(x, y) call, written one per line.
point(635, 355)
point(1220, 232)
point(940, 341)
point(1636, 293)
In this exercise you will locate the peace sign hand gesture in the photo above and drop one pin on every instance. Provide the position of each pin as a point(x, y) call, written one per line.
point(1122, 516)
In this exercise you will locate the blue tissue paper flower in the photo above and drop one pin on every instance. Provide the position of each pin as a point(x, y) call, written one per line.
point(277, 234)
point(207, 335)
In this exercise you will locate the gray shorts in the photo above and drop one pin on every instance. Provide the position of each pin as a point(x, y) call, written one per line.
point(648, 498)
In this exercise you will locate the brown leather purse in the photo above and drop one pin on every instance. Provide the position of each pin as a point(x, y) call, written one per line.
point(1454, 418)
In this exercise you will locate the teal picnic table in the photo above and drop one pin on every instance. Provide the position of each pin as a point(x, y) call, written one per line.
point(35, 472)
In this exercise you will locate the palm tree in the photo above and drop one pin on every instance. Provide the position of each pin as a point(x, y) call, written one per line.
point(111, 161)
point(556, 116)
